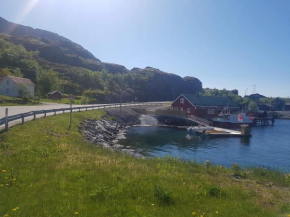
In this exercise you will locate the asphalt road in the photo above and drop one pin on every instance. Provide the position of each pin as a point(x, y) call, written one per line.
point(14, 110)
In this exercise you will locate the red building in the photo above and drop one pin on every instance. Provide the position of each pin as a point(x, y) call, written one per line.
point(54, 95)
point(204, 106)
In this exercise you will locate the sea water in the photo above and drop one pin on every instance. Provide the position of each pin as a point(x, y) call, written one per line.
point(269, 147)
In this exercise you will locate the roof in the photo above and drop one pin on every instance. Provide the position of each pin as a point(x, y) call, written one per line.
point(18, 80)
point(55, 91)
point(210, 101)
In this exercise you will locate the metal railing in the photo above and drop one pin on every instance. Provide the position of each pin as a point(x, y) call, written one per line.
point(199, 120)
point(6, 120)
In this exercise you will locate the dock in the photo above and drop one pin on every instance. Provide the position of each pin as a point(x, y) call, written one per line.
point(205, 126)
point(221, 132)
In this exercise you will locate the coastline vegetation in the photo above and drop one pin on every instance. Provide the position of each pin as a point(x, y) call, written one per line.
point(47, 169)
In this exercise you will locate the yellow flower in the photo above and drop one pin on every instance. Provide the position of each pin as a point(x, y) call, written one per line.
point(152, 204)
point(193, 213)
point(184, 183)
point(16, 208)
point(5, 215)
point(7, 184)
point(216, 212)
point(288, 215)
point(4, 171)
point(76, 213)
point(14, 179)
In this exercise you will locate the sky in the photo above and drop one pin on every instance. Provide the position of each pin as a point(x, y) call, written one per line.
point(224, 43)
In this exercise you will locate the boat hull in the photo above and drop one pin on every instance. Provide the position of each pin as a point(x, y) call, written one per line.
point(227, 125)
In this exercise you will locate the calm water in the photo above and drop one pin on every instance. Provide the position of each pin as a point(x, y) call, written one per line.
point(268, 147)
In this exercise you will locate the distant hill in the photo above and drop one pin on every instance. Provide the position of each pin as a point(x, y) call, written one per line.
point(84, 71)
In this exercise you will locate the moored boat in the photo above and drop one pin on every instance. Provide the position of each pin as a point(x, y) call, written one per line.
point(232, 121)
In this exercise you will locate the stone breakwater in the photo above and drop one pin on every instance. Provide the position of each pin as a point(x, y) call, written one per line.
point(110, 129)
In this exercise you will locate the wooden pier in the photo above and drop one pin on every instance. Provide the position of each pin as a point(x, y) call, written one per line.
point(263, 121)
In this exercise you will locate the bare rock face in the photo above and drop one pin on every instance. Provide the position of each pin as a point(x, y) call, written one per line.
point(163, 86)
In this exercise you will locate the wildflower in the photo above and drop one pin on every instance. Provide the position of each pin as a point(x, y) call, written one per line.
point(152, 204)
point(184, 183)
point(5, 215)
point(193, 213)
point(76, 213)
point(217, 212)
point(16, 208)
point(14, 179)
point(4, 171)
point(7, 184)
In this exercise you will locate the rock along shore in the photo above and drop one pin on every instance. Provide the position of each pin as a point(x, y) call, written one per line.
point(110, 129)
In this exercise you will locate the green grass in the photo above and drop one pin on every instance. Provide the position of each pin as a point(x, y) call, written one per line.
point(12, 101)
point(48, 170)
point(65, 100)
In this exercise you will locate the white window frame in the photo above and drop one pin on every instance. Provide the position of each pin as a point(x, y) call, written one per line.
point(182, 100)
point(181, 109)
point(210, 111)
point(188, 110)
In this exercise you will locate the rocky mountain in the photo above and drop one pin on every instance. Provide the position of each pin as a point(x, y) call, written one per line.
point(53, 47)
point(80, 66)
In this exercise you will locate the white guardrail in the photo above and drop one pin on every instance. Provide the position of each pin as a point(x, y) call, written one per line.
point(6, 120)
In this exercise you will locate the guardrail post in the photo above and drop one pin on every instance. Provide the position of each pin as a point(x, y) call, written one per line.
point(79, 109)
point(34, 115)
point(45, 114)
point(63, 111)
point(54, 112)
point(86, 108)
point(6, 119)
point(22, 117)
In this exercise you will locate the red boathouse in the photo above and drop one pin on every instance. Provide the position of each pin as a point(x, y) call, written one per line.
point(204, 106)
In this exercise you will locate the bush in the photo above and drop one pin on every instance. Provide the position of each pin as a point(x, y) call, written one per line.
point(214, 191)
point(163, 196)
point(101, 193)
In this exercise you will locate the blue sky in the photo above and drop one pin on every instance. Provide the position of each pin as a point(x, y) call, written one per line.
point(225, 43)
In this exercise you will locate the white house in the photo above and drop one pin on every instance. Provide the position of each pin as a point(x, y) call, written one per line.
point(10, 85)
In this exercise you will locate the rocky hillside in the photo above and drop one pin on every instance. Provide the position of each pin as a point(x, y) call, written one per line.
point(83, 71)
point(53, 47)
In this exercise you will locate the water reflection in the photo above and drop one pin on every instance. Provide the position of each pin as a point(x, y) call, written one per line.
point(268, 147)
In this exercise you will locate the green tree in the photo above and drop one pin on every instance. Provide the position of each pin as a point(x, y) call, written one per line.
point(253, 107)
point(24, 91)
point(47, 81)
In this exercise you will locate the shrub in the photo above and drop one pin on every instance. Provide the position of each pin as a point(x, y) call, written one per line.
point(101, 193)
point(214, 191)
point(237, 169)
point(163, 196)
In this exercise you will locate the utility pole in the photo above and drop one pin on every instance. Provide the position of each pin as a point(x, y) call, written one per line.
point(173, 93)
point(121, 89)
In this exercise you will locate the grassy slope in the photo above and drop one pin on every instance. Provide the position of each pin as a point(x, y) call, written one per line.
point(48, 170)
point(11, 101)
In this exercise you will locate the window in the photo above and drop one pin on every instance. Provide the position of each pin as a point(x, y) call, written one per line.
point(211, 111)
point(175, 109)
point(7, 90)
point(181, 100)
point(7, 82)
point(181, 109)
point(188, 110)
